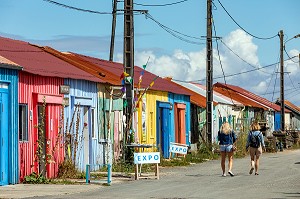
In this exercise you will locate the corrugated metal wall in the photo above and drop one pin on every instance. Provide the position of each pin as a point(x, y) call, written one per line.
point(150, 118)
point(11, 76)
point(87, 93)
point(110, 127)
point(28, 85)
point(184, 99)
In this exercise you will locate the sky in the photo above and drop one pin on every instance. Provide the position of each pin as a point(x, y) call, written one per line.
point(171, 40)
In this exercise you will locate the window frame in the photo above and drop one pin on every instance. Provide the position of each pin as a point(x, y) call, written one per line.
point(23, 127)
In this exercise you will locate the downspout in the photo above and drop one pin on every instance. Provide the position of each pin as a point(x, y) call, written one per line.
point(109, 141)
point(104, 122)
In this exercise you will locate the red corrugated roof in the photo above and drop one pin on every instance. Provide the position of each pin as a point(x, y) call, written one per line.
point(291, 105)
point(5, 63)
point(104, 75)
point(160, 84)
point(36, 61)
point(195, 98)
point(245, 97)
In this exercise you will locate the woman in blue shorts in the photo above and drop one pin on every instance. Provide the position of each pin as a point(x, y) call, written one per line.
point(227, 139)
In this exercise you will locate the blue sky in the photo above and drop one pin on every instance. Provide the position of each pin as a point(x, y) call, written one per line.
point(41, 22)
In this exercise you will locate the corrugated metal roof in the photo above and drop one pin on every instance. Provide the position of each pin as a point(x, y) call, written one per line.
point(292, 106)
point(160, 84)
point(5, 63)
point(218, 97)
point(104, 75)
point(36, 61)
point(196, 98)
point(245, 97)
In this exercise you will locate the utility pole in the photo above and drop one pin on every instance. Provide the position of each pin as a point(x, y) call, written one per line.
point(128, 60)
point(113, 31)
point(282, 81)
point(209, 74)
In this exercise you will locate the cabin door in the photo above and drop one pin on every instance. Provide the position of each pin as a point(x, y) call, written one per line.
point(3, 136)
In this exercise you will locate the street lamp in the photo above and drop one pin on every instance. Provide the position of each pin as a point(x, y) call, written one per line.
point(296, 36)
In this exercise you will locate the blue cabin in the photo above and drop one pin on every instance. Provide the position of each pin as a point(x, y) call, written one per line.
point(9, 134)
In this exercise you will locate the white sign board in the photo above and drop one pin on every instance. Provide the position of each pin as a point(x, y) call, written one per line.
point(178, 149)
point(144, 158)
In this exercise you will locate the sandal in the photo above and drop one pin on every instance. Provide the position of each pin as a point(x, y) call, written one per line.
point(251, 171)
point(230, 173)
point(256, 174)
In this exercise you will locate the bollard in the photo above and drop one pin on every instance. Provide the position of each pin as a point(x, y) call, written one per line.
point(108, 174)
point(87, 174)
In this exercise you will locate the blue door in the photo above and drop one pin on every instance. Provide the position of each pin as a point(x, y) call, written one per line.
point(4, 136)
point(277, 125)
point(163, 132)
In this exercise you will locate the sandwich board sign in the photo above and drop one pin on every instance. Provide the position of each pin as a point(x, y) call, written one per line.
point(178, 148)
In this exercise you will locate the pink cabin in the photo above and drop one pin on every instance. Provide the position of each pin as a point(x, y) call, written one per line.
point(40, 104)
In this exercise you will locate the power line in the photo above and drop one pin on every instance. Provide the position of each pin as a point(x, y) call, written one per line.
point(231, 75)
point(275, 84)
point(289, 56)
point(263, 38)
point(167, 4)
point(274, 72)
point(75, 8)
point(278, 91)
point(240, 56)
point(173, 32)
point(291, 80)
point(215, 31)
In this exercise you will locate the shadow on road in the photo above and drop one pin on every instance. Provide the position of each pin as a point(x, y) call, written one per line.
point(292, 195)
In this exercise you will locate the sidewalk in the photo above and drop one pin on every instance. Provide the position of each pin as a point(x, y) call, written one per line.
point(34, 190)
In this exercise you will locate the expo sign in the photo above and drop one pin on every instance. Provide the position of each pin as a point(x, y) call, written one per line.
point(144, 158)
point(178, 149)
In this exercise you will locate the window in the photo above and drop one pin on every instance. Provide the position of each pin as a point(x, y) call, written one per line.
point(23, 122)
point(93, 123)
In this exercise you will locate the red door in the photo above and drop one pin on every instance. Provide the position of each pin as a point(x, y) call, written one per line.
point(180, 134)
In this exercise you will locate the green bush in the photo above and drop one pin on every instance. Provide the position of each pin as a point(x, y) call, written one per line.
point(35, 178)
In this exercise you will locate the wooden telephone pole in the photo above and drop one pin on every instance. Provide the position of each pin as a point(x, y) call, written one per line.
point(209, 74)
point(113, 31)
point(282, 118)
point(128, 60)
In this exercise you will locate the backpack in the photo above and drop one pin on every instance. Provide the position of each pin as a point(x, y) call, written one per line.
point(254, 140)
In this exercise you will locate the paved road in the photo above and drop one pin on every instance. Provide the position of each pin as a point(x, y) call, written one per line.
point(279, 178)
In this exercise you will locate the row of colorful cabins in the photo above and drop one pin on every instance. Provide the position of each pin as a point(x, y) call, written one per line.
point(76, 101)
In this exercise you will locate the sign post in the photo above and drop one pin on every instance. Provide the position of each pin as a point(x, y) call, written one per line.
point(146, 158)
point(178, 148)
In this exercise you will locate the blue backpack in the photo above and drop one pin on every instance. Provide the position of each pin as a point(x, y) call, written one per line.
point(254, 140)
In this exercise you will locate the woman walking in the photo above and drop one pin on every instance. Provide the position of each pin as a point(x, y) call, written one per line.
point(227, 139)
point(255, 141)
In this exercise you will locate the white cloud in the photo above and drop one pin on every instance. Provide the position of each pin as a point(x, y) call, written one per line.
point(191, 66)
point(292, 66)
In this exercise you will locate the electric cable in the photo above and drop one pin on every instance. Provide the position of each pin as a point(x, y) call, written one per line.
point(274, 72)
point(75, 8)
point(291, 80)
point(278, 91)
point(290, 57)
point(234, 74)
point(215, 31)
point(240, 56)
point(263, 38)
point(272, 99)
point(172, 32)
point(167, 4)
